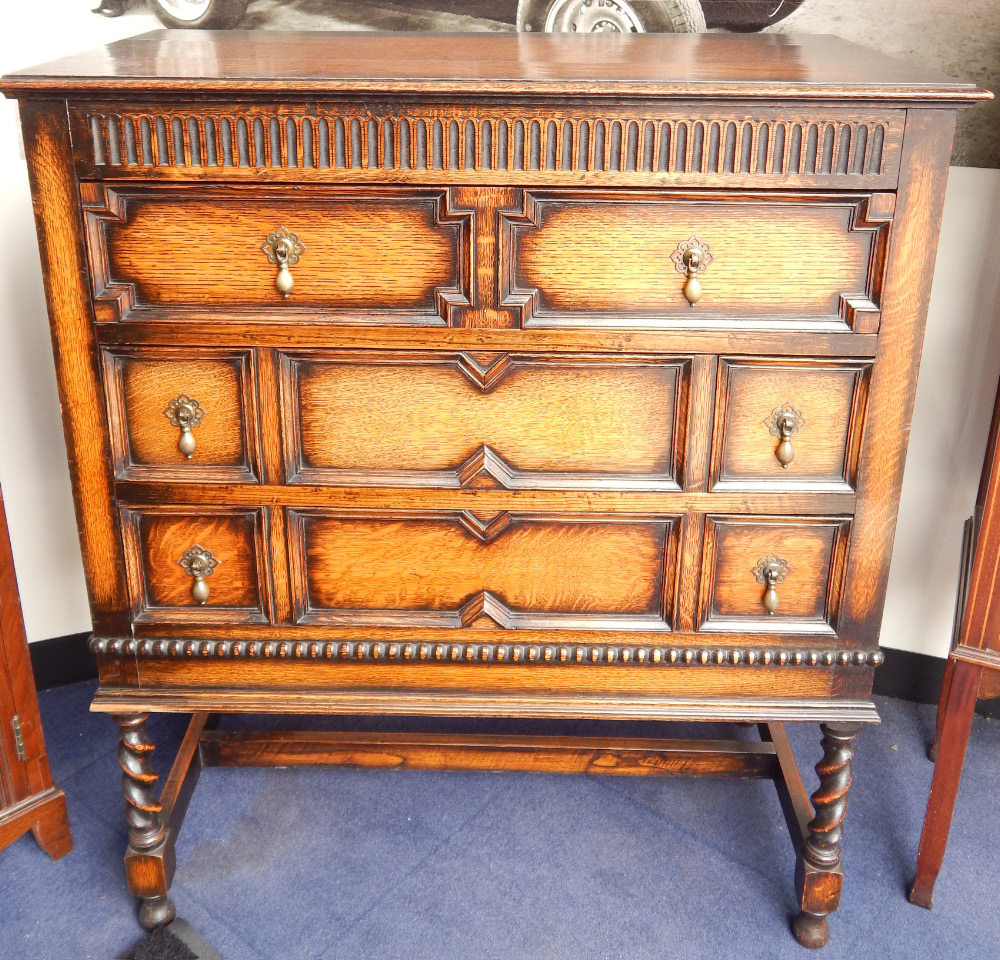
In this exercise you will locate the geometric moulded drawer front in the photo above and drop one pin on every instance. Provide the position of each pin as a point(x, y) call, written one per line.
point(451, 569)
point(772, 574)
point(789, 424)
point(325, 255)
point(177, 417)
point(196, 565)
point(484, 420)
point(807, 262)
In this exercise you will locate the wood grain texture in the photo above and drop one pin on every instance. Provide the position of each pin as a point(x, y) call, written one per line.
point(484, 752)
point(28, 798)
point(591, 259)
point(64, 270)
point(831, 398)
point(484, 499)
point(494, 438)
point(227, 332)
point(380, 258)
point(469, 570)
point(906, 293)
point(481, 420)
point(669, 66)
point(456, 682)
point(484, 143)
point(141, 385)
point(157, 539)
point(814, 552)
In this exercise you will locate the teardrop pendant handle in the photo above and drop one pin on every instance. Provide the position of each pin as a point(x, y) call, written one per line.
point(199, 564)
point(771, 571)
point(284, 249)
point(784, 423)
point(185, 413)
point(692, 258)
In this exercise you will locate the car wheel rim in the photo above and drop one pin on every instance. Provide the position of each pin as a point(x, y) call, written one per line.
point(185, 9)
point(592, 16)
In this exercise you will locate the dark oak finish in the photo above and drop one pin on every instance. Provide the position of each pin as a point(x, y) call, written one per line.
point(29, 800)
point(472, 451)
point(973, 668)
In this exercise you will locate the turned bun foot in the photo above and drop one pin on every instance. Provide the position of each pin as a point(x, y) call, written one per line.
point(156, 912)
point(811, 931)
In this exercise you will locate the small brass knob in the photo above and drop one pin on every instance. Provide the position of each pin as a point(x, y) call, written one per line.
point(185, 413)
point(284, 249)
point(771, 571)
point(692, 258)
point(199, 563)
point(784, 423)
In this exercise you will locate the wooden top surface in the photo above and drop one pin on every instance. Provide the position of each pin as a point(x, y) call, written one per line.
point(672, 65)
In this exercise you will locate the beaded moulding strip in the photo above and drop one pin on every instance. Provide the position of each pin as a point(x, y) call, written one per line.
point(533, 653)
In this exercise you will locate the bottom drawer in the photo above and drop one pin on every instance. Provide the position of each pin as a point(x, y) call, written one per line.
point(196, 565)
point(459, 569)
point(772, 574)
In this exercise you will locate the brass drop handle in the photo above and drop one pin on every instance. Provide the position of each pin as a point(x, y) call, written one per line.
point(285, 249)
point(198, 563)
point(185, 413)
point(784, 423)
point(771, 571)
point(692, 258)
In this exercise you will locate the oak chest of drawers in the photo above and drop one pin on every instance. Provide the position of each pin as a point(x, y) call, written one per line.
point(488, 376)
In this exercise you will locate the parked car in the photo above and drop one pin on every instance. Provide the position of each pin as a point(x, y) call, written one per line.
point(650, 16)
point(200, 14)
point(547, 16)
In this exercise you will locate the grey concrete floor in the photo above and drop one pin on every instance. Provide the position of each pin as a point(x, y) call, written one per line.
point(959, 38)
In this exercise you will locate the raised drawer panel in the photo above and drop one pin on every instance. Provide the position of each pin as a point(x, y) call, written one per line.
point(463, 570)
point(809, 555)
point(809, 262)
point(153, 395)
point(167, 550)
point(361, 257)
point(484, 420)
point(789, 424)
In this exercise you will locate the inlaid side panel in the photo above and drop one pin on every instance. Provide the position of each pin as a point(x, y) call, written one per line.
point(805, 261)
point(203, 565)
point(182, 414)
point(786, 424)
point(799, 562)
point(389, 257)
point(463, 570)
point(484, 420)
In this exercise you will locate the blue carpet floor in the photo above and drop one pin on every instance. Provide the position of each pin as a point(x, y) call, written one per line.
point(394, 865)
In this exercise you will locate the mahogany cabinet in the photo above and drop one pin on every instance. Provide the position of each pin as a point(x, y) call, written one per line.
point(29, 800)
point(506, 376)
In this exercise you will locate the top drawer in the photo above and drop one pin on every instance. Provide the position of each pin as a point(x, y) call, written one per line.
point(696, 260)
point(361, 256)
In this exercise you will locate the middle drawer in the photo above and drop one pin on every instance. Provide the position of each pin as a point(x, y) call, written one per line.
point(485, 420)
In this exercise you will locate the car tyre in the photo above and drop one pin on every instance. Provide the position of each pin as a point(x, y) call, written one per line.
point(626, 16)
point(200, 14)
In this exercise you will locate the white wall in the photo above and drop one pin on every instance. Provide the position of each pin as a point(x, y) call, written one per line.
point(951, 416)
point(953, 405)
point(33, 471)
